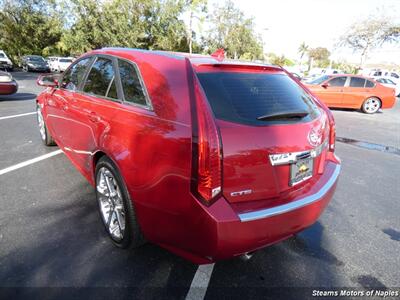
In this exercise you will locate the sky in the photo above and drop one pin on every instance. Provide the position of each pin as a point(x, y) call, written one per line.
point(285, 24)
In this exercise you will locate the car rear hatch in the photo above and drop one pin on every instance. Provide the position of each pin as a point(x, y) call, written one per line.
point(274, 137)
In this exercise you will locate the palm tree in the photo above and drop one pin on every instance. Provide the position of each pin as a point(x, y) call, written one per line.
point(303, 49)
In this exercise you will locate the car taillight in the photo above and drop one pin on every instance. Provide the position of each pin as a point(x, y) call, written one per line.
point(332, 137)
point(206, 146)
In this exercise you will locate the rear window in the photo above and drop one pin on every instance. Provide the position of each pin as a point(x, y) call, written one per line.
point(369, 84)
point(243, 97)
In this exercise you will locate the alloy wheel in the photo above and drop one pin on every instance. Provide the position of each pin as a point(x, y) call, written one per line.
point(112, 208)
point(372, 105)
point(42, 128)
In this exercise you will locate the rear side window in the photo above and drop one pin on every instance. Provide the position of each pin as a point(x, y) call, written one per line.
point(73, 77)
point(369, 84)
point(100, 80)
point(338, 81)
point(357, 82)
point(244, 97)
point(131, 86)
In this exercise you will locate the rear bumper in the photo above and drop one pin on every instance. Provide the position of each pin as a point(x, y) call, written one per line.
point(220, 232)
point(257, 229)
point(8, 88)
point(388, 102)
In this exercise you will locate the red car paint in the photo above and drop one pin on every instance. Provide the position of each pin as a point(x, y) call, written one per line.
point(175, 156)
point(8, 87)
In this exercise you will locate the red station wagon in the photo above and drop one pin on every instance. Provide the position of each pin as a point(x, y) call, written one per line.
point(206, 157)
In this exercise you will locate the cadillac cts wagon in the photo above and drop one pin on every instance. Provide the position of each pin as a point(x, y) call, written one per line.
point(206, 157)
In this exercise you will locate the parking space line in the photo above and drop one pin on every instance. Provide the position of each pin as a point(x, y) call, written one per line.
point(16, 116)
point(200, 282)
point(29, 162)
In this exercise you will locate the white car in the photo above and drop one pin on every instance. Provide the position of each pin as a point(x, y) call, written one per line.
point(5, 62)
point(393, 76)
point(59, 64)
point(389, 83)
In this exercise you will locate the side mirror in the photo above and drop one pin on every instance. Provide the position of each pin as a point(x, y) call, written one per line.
point(325, 85)
point(47, 80)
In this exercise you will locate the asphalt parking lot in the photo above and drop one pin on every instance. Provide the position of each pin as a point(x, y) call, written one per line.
point(51, 234)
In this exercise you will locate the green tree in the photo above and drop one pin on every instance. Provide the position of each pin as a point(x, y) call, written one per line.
point(29, 27)
point(320, 56)
point(148, 24)
point(197, 10)
point(232, 31)
point(281, 60)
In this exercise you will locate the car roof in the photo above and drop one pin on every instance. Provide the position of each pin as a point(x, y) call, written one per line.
point(196, 59)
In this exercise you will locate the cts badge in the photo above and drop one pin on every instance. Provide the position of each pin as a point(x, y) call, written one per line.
point(241, 193)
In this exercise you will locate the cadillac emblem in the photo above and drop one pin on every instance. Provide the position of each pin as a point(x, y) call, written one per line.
point(315, 137)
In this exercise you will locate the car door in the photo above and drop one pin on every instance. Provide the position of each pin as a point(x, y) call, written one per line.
point(62, 120)
point(355, 92)
point(95, 107)
point(331, 91)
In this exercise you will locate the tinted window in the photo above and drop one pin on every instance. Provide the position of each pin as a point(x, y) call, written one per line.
point(337, 81)
point(389, 81)
point(357, 82)
point(243, 97)
point(133, 91)
point(100, 78)
point(369, 84)
point(394, 75)
point(73, 77)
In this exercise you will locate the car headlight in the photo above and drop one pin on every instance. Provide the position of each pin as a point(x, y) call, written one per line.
point(5, 78)
point(9, 62)
point(29, 64)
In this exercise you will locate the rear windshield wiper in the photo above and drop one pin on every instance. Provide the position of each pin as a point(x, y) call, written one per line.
point(284, 115)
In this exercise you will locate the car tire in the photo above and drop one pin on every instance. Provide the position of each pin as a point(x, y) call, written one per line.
point(371, 105)
point(116, 209)
point(45, 135)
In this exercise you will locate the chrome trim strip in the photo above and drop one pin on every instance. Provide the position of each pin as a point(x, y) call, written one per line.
point(281, 209)
point(292, 157)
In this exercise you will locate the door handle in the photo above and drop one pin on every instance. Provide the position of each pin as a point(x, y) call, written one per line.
point(94, 117)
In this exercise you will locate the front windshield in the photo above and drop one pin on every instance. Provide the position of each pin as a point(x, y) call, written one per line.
point(36, 58)
point(2, 55)
point(319, 80)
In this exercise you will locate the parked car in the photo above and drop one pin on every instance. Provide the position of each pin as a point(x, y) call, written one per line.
point(59, 64)
point(395, 77)
point(8, 85)
point(5, 63)
point(34, 63)
point(389, 83)
point(352, 91)
point(205, 157)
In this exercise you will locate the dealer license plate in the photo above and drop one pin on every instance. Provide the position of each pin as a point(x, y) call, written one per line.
point(301, 170)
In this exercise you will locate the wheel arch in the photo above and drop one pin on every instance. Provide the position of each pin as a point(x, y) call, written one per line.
point(379, 98)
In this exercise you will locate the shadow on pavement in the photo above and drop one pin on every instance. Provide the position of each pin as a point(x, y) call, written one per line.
point(18, 97)
point(66, 246)
point(287, 270)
